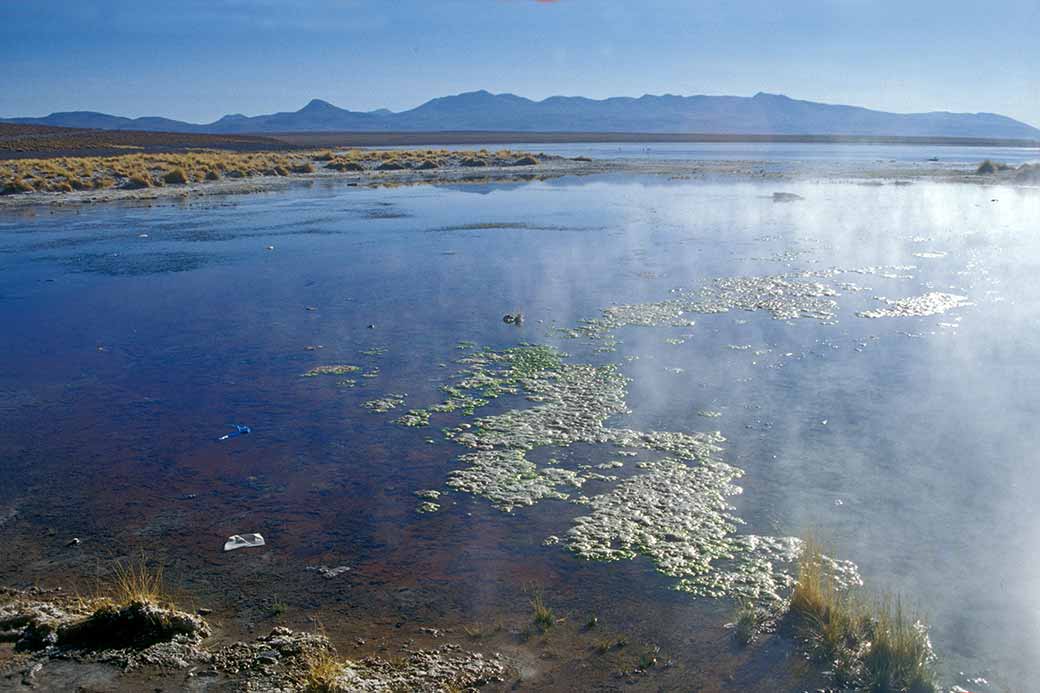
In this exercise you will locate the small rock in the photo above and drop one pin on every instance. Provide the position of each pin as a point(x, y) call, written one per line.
point(327, 572)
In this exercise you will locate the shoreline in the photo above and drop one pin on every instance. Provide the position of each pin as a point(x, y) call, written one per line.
point(52, 639)
point(548, 167)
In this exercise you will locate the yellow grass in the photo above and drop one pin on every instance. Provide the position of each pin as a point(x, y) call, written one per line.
point(874, 646)
point(134, 581)
point(323, 672)
point(140, 170)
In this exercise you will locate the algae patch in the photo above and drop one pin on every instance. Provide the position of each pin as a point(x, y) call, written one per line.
point(331, 370)
point(385, 403)
point(679, 517)
point(673, 511)
point(785, 297)
point(932, 303)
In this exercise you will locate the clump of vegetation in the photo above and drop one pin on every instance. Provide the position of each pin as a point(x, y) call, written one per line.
point(331, 370)
point(131, 609)
point(323, 672)
point(137, 181)
point(138, 170)
point(648, 658)
point(530, 359)
point(878, 648)
point(18, 185)
point(747, 623)
point(544, 617)
point(900, 653)
point(342, 165)
point(989, 167)
point(135, 581)
point(176, 176)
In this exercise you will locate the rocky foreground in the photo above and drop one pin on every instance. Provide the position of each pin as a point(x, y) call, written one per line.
point(59, 642)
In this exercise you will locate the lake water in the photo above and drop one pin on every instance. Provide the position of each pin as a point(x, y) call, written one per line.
point(780, 152)
point(134, 336)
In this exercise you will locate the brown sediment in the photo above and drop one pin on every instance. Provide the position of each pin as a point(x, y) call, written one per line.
point(539, 647)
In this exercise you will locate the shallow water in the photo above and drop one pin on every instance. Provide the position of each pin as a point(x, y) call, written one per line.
point(818, 154)
point(135, 335)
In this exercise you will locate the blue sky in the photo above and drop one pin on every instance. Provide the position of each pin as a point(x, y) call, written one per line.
point(199, 59)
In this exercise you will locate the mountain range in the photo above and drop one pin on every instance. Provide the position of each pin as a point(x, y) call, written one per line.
point(761, 114)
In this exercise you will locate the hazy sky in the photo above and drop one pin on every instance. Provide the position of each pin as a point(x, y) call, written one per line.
point(199, 59)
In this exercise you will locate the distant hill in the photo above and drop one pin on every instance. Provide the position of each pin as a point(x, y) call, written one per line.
point(762, 114)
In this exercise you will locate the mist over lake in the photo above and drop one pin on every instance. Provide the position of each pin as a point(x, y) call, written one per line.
point(854, 362)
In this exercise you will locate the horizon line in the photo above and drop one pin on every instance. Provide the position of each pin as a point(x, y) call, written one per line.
point(526, 98)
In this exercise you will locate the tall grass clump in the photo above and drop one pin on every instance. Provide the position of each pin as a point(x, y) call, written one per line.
point(900, 653)
point(134, 581)
point(18, 184)
point(176, 176)
point(747, 624)
point(875, 647)
point(323, 672)
point(544, 618)
point(988, 166)
point(138, 180)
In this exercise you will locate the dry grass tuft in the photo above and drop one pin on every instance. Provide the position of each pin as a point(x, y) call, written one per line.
point(176, 176)
point(323, 672)
point(134, 581)
point(544, 618)
point(136, 181)
point(877, 647)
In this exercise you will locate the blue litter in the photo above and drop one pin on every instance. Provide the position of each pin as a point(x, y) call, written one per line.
point(240, 430)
